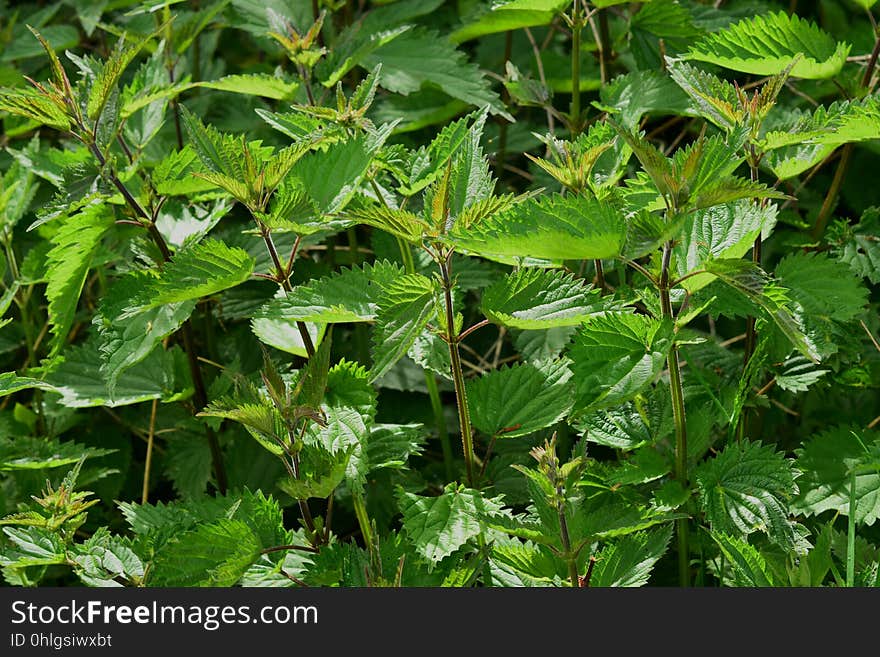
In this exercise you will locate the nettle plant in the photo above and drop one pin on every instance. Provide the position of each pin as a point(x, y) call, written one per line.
point(295, 311)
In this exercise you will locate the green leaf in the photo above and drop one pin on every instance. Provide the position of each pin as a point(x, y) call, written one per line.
point(321, 471)
point(215, 554)
point(797, 374)
point(255, 412)
point(390, 445)
point(332, 175)
point(354, 44)
point(439, 526)
point(400, 223)
point(33, 105)
point(747, 488)
point(825, 294)
point(723, 231)
point(629, 561)
point(11, 383)
point(822, 285)
point(254, 84)
point(312, 381)
point(68, 263)
point(766, 45)
point(828, 460)
point(32, 546)
point(521, 399)
point(189, 467)
point(285, 335)
point(541, 299)
point(421, 57)
point(555, 228)
point(346, 430)
point(80, 382)
point(348, 385)
point(351, 295)
point(715, 99)
point(749, 280)
point(749, 566)
point(535, 561)
point(104, 559)
point(636, 94)
point(859, 245)
point(220, 153)
point(126, 342)
point(510, 15)
point(111, 72)
point(623, 427)
point(27, 453)
point(403, 312)
point(617, 356)
point(422, 166)
point(196, 271)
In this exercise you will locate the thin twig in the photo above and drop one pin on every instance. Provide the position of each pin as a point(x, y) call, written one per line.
point(551, 124)
point(870, 335)
point(151, 434)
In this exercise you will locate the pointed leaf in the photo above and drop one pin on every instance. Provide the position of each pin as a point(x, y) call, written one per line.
point(352, 295)
point(438, 526)
point(747, 488)
point(556, 228)
point(67, 265)
point(748, 564)
point(194, 272)
point(521, 399)
point(540, 299)
point(616, 356)
point(629, 561)
point(828, 460)
point(766, 44)
point(403, 311)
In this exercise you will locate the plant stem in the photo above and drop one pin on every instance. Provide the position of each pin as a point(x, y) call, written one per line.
point(430, 379)
point(678, 415)
point(145, 491)
point(200, 395)
point(304, 510)
point(501, 153)
point(570, 558)
point(360, 511)
point(851, 533)
point(751, 337)
point(604, 45)
point(577, 25)
point(283, 279)
point(464, 419)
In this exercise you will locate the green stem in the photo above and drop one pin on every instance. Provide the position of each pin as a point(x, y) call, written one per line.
point(501, 153)
point(570, 558)
point(678, 415)
point(431, 380)
point(283, 279)
point(751, 336)
point(360, 511)
point(851, 533)
point(148, 462)
point(464, 419)
point(406, 254)
point(577, 25)
point(604, 45)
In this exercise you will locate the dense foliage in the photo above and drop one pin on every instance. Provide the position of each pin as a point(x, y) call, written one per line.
point(426, 293)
